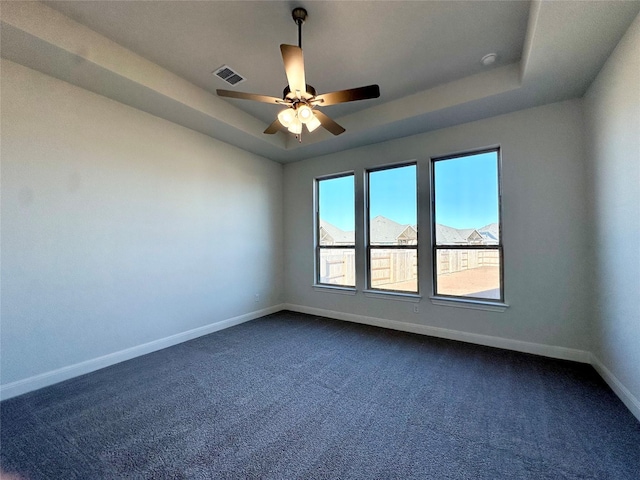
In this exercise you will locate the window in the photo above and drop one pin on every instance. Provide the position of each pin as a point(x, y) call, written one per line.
point(392, 239)
point(467, 252)
point(335, 231)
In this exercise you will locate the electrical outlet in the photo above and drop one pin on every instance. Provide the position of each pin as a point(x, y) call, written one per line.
point(257, 297)
point(416, 309)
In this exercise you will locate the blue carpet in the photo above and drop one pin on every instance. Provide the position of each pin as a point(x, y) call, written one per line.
point(296, 396)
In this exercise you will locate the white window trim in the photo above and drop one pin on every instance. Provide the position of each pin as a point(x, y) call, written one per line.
point(387, 295)
point(319, 287)
point(469, 303)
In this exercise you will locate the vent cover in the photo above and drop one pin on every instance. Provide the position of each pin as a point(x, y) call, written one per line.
point(229, 75)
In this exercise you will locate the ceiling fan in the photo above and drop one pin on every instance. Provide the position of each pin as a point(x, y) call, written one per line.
point(300, 98)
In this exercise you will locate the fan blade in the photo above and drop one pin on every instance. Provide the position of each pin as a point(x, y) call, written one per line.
point(351, 95)
point(274, 127)
point(249, 96)
point(327, 123)
point(294, 69)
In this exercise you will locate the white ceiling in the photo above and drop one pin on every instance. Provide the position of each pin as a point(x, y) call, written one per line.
point(425, 55)
point(346, 44)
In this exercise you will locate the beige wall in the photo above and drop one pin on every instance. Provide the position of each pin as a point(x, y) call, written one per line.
point(120, 228)
point(112, 220)
point(612, 106)
point(545, 227)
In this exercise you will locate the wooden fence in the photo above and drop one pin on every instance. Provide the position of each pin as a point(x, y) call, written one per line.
point(388, 266)
point(452, 261)
point(394, 266)
point(338, 267)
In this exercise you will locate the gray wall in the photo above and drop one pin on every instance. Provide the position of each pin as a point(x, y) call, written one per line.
point(545, 227)
point(120, 228)
point(612, 105)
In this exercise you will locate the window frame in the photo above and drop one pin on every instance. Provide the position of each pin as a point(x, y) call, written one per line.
point(318, 247)
point(367, 236)
point(435, 247)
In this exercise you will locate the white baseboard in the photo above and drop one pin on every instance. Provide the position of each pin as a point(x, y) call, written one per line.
point(65, 373)
point(632, 403)
point(563, 353)
point(49, 378)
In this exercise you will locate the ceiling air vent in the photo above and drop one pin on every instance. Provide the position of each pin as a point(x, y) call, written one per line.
point(226, 73)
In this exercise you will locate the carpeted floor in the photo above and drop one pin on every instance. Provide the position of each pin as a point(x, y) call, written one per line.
point(296, 396)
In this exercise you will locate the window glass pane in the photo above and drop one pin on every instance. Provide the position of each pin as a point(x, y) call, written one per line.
point(467, 214)
point(466, 200)
point(394, 269)
point(468, 273)
point(393, 206)
point(336, 203)
point(337, 266)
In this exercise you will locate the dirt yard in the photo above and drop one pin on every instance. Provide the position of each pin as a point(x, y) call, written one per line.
point(482, 282)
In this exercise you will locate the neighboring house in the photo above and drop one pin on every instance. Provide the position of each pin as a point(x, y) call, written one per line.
point(332, 235)
point(383, 232)
point(451, 236)
point(387, 232)
point(490, 233)
point(487, 235)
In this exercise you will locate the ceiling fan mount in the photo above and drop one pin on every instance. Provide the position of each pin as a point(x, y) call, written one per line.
point(299, 15)
point(300, 98)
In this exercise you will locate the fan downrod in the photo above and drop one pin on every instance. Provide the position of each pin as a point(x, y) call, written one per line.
point(299, 15)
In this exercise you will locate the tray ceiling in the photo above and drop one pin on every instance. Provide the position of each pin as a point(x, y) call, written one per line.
point(159, 57)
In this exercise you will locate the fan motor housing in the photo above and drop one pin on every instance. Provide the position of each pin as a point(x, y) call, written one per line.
point(287, 91)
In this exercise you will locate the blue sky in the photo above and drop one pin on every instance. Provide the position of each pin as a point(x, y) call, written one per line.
point(393, 194)
point(466, 194)
point(337, 202)
point(467, 191)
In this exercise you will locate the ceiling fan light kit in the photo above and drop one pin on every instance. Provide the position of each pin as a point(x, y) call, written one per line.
point(313, 123)
point(304, 113)
point(299, 98)
point(296, 126)
point(286, 117)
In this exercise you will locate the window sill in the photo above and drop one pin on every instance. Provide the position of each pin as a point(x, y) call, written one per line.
point(335, 289)
point(403, 297)
point(472, 304)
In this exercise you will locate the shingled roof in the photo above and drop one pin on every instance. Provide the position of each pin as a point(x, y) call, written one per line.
point(387, 232)
point(491, 233)
point(336, 236)
point(446, 235)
